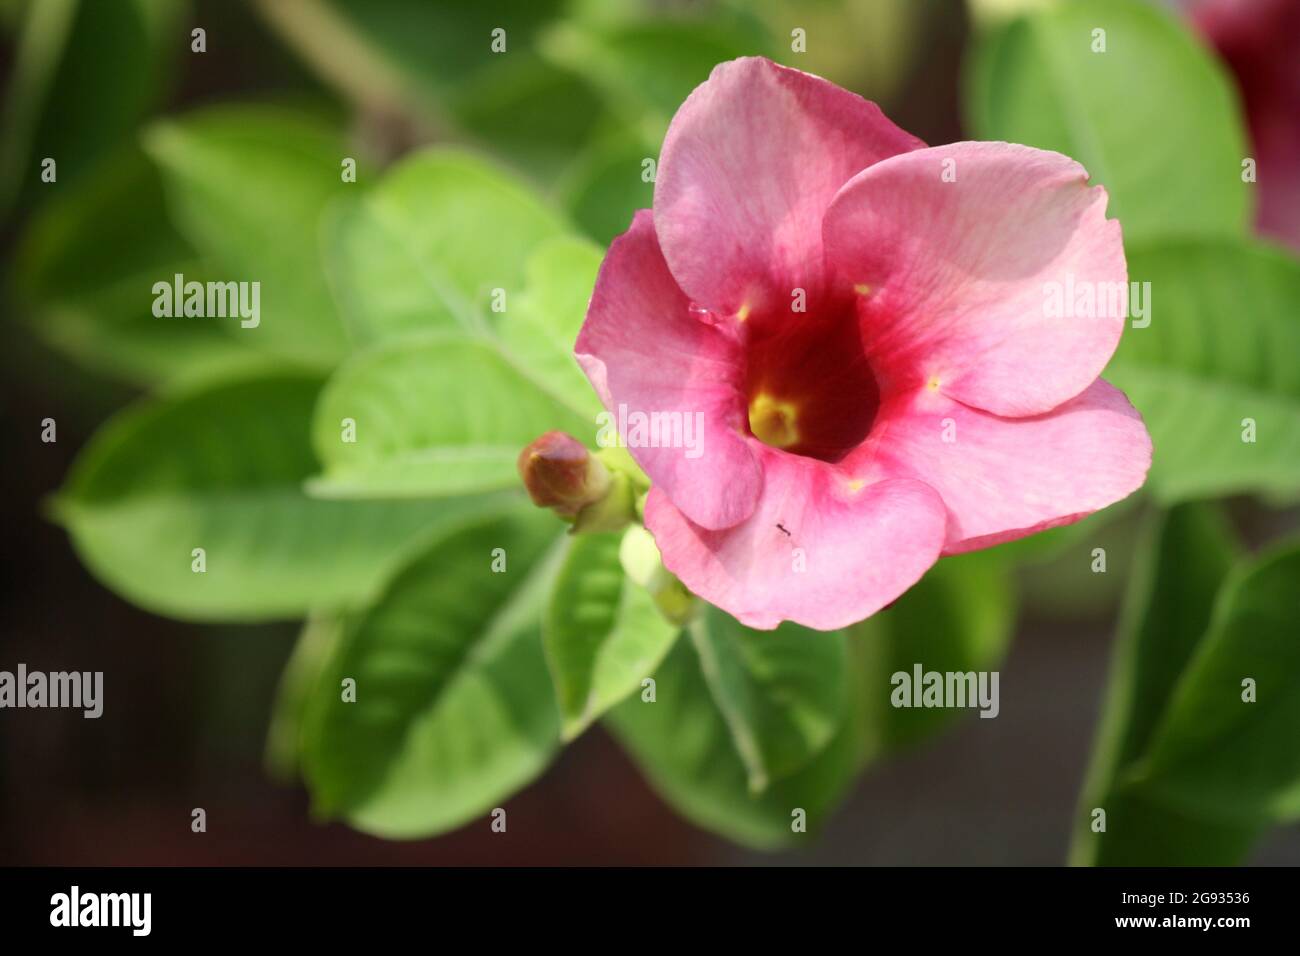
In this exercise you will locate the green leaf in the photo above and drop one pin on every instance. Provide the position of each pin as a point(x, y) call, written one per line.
point(1220, 348)
point(453, 709)
point(300, 677)
point(59, 105)
point(445, 414)
point(1143, 832)
point(1153, 118)
point(437, 71)
point(605, 186)
point(441, 45)
point(1184, 559)
point(986, 12)
point(247, 186)
point(888, 38)
point(86, 269)
point(685, 747)
point(447, 411)
point(527, 110)
point(424, 250)
point(1213, 753)
point(602, 633)
point(1165, 616)
point(539, 330)
point(221, 469)
point(647, 68)
point(958, 618)
point(783, 693)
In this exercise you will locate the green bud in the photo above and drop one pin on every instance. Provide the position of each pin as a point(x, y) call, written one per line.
point(639, 555)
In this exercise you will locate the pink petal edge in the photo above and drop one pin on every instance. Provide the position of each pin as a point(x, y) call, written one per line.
point(858, 549)
point(749, 165)
point(643, 349)
point(960, 278)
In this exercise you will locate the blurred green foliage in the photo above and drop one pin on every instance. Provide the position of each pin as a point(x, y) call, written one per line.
point(485, 178)
point(1197, 751)
point(1096, 81)
point(602, 631)
point(454, 707)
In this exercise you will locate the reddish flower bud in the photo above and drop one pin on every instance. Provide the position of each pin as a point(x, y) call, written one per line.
point(560, 473)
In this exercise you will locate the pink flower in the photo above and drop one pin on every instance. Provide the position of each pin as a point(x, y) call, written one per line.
point(926, 401)
point(1260, 41)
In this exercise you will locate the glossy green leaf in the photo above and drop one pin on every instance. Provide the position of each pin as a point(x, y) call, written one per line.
point(1153, 118)
point(453, 708)
point(1215, 752)
point(1219, 354)
point(782, 693)
point(436, 415)
point(222, 469)
point(540, 328)
point(602, 632)
point(685, 747)
point(959, 617)
point(86, 270)
point(1184, 558)
point(247, 186)
point(426, 248)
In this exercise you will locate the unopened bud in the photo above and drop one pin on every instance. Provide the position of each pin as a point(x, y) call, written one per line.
point(560, 473)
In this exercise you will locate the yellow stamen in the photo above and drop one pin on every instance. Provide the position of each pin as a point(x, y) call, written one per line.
point(862, 289)
point(855, 484)
point(773, 421)
point(933, 384)
point(743, 314)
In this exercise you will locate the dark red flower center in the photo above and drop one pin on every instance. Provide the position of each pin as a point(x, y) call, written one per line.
point(808, 385)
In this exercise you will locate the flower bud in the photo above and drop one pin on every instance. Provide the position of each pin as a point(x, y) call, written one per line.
point(639, 556)
point(560, 473)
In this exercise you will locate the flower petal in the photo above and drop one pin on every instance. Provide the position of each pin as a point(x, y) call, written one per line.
point(1004, 478)
point(749, 165)
point(648, 354)
point(975, 280)
point(816, 550)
